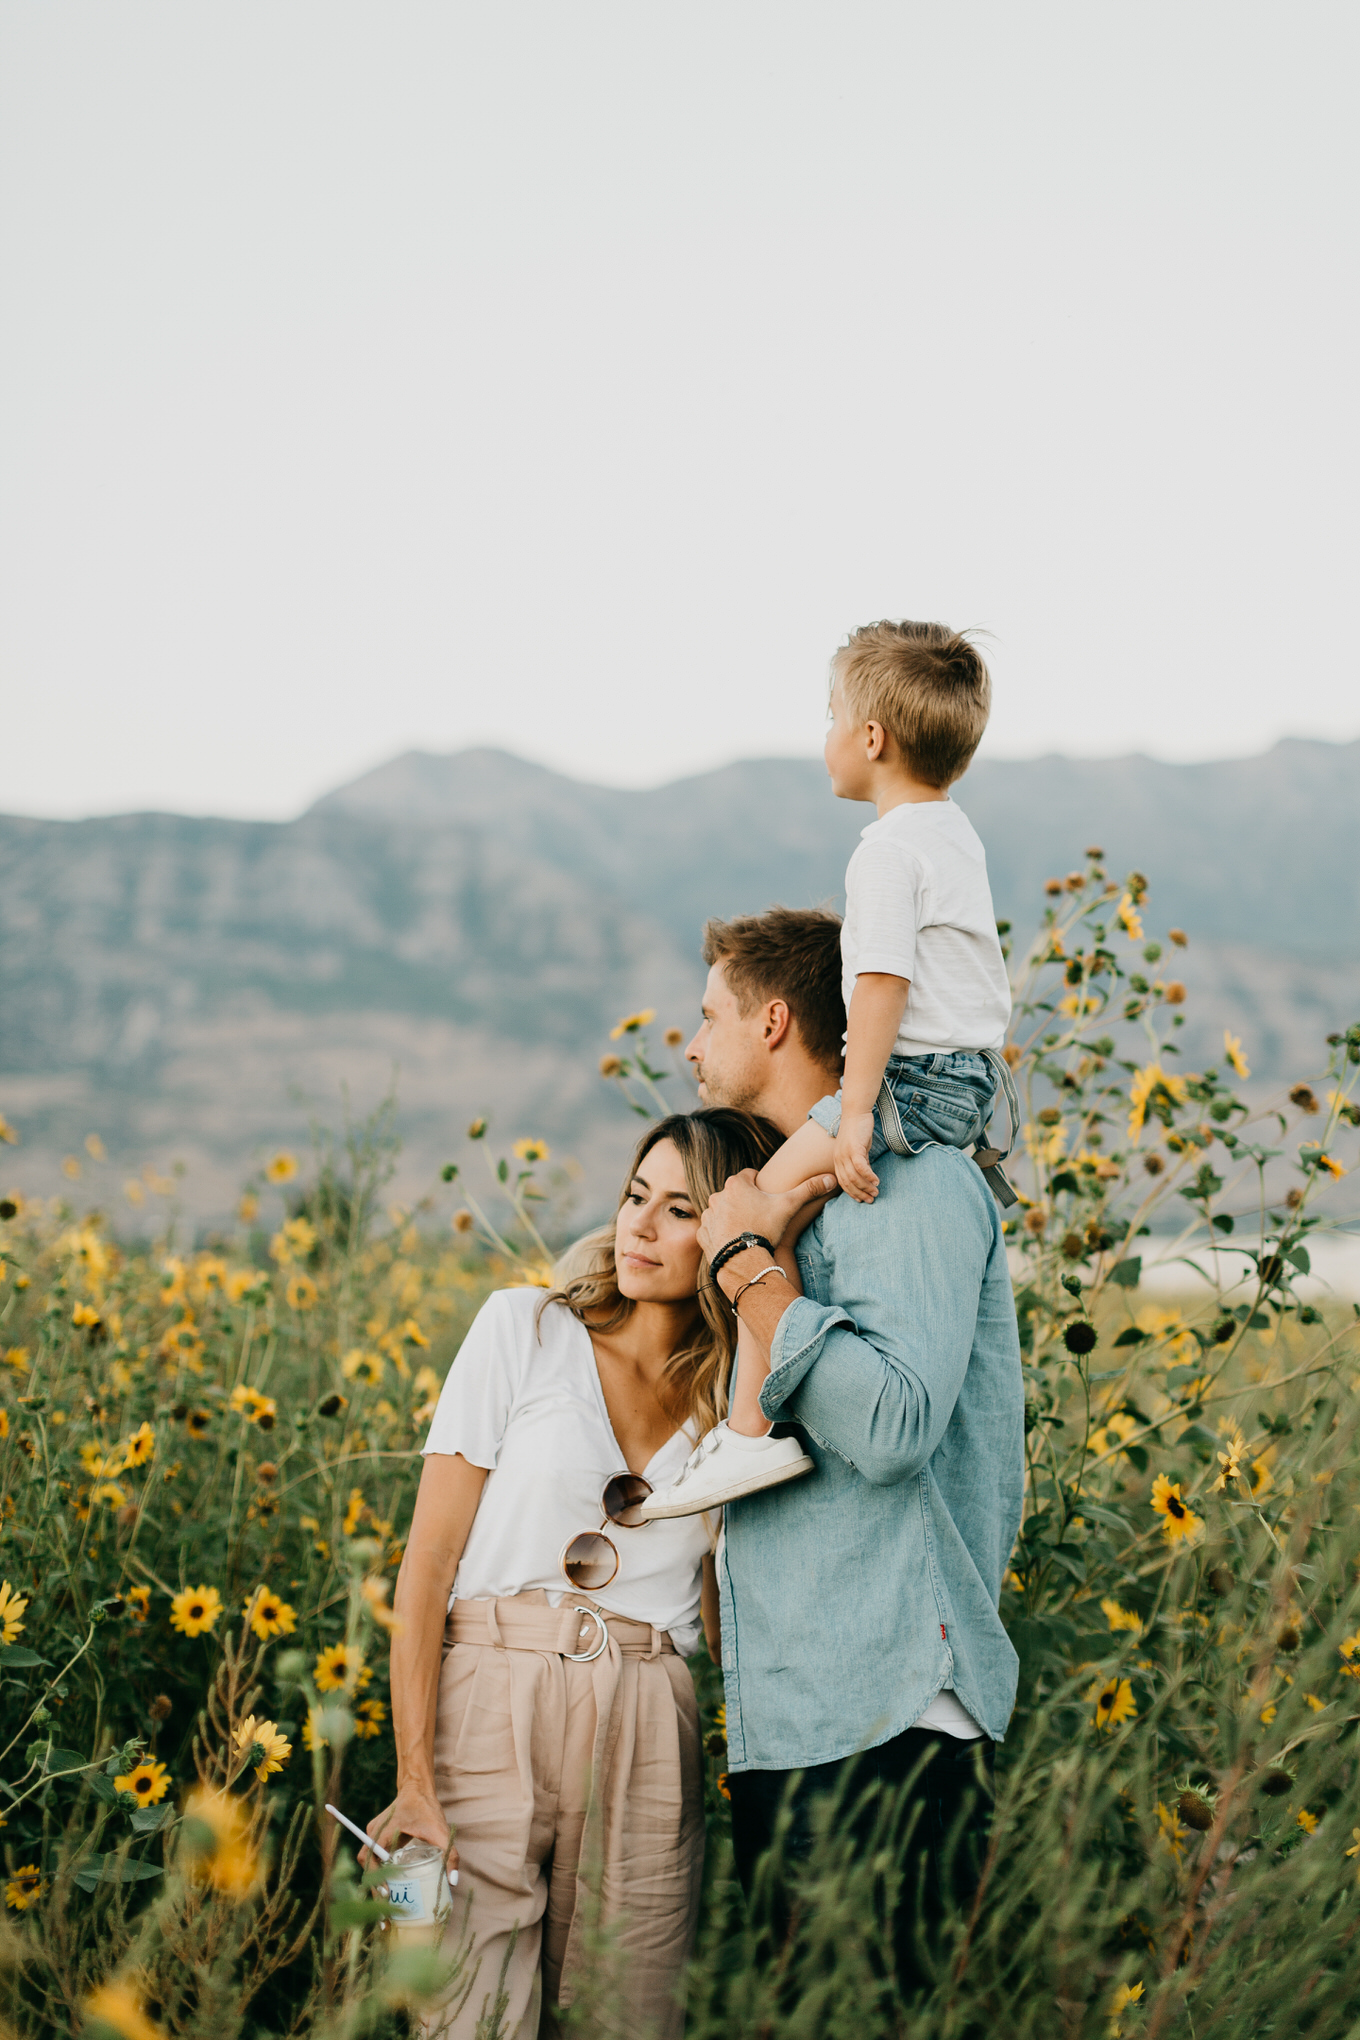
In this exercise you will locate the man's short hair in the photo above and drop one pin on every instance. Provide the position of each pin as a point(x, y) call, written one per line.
point(927, 685)
point(788, 953)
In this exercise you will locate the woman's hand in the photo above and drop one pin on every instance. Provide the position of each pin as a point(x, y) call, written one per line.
point(414, 1816)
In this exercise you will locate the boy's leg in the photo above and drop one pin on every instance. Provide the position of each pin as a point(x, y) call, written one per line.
point(745, 1416)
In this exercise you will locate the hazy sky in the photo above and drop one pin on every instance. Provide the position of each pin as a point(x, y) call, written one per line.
point(571, 377)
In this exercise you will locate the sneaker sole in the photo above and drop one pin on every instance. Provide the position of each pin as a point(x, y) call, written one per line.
point(758, 1481)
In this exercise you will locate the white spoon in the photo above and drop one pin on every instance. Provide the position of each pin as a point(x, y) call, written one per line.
point(383, 1855)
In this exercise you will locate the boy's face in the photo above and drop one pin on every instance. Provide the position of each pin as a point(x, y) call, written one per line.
point(846, 752)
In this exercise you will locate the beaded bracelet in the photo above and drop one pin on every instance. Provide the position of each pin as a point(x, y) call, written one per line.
point(735, 1247)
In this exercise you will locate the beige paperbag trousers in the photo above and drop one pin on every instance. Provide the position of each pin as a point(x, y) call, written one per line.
point(575, 1795)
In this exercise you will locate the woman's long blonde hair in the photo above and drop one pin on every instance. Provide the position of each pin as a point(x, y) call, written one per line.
point(713, 1144)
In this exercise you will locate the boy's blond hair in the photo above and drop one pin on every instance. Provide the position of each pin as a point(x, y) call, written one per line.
point(928, 687)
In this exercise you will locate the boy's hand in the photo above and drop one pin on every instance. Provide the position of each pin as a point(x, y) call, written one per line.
point(853, 1173)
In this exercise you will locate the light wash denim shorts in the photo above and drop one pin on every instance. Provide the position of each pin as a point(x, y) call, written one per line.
point(943, 1100)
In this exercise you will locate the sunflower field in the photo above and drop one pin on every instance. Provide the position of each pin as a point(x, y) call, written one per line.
point(208, 1455)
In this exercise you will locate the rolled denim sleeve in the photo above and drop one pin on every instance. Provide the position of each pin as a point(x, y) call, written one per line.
point(875, 1376)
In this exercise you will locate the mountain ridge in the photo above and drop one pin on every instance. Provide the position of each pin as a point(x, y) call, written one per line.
point(202, 986)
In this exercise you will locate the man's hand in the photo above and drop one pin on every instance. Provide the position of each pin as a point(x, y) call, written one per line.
point(853, 1173)
point(740, 1207)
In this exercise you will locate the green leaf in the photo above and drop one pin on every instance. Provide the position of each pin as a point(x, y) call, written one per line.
point(1127, 1274)
point(1064, 1180)
point(110, 1870)
point(147, 1819)
point(358, 1912)
point(1110, 1518)
point(65, 1760)
point(16, 1657)
point(102, 1788)
point(1137, 1454)
point(1224, 1222)
point(1298, 1257)
point(1133, 1337)
point(1069, 1561)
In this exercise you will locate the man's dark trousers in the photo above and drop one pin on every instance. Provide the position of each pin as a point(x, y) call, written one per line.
point(940, 1787)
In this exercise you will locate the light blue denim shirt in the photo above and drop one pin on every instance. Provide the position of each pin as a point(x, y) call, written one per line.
point(852, 1596)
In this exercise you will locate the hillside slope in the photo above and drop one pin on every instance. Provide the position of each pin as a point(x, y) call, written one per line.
point(473, 924)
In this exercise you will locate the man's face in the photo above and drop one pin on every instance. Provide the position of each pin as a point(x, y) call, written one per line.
point(728, 1052)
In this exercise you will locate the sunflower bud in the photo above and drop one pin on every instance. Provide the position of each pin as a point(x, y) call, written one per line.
point(1195, 1810)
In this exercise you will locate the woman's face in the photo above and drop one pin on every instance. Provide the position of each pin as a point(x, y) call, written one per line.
point(656, 1244)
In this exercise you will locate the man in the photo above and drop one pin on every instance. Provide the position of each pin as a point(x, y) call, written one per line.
point(860, 1619)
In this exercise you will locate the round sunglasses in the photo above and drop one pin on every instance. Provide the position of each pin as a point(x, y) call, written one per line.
point(590, 1560)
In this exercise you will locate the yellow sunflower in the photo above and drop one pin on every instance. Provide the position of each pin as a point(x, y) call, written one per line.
point(140, 1447)
point(118, 2005)
point(139, 1603)
point(532, 1150)
point(198, 1423)
point(301, 1292)
point(339, 1666)
point(254, 1407)
point(1232, 1049)
point(148, 1782)
point(1114, 1702)
point(24, 1888)
point(276, 1748)
point(12, 1606)
point(1130, 919)
point(229, 1861)
point(1178, 1518)
point(358, 1364)
point(1127, 1994)
point(369, 1717)
point(1231, 1462)
point(632, 1022)
point(281, 1169)
point(195, 1610)
point(268, 1615)
point(311, 1730)
point(1150, 1086)
point(1121, 1618)
point(375, 1592)
point(1349, 1647)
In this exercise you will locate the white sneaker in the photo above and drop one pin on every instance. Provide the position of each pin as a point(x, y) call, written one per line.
point(723, 1467)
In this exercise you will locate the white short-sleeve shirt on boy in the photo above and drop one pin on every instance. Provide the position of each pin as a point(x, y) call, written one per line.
point(523, 1399)
point(918, 906)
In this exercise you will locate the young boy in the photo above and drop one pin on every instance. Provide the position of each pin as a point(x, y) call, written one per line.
point(926, 992)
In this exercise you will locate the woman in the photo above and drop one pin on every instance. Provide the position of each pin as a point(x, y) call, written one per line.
point(542, 1708)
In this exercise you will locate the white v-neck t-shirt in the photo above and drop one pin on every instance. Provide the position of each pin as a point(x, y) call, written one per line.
point(523, 1399)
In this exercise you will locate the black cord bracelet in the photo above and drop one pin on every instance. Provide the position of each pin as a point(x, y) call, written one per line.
point(735, 1247)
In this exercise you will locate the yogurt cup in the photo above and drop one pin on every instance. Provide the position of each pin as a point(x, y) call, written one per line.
point(417, 1885)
